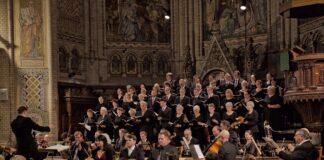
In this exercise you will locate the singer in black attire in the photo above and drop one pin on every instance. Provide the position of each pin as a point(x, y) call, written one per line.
point(22, 127)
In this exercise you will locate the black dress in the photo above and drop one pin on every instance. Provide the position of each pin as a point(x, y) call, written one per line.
point(199, 131)
point(231, 118)
point(92, 123)
point(183, 121)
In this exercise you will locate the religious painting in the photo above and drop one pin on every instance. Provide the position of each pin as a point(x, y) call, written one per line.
point(63, 59)
point(75, 61)
point(137, 21)
point(232, 20)
point(31, 23)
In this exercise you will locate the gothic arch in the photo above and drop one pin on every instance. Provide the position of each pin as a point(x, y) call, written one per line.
point(147, 64)
point(131, 64)
point(116, 64)
point(318, 41)
point(63, 59)
point(162, 65)
point(75, 61)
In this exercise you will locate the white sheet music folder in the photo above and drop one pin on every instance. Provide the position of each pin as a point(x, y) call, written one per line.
point(58, 147)
point(196, 152)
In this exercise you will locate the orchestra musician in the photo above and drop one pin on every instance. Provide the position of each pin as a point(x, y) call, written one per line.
point(225, 125)
point(228, 151)
point(79, 148)
point(249, 149)
point(187, 141)
point(164, 150)
point(22, 127)
point(120, 142)
point(131, 151)
point(145, 144)
point(304, 149)
point(104, 150)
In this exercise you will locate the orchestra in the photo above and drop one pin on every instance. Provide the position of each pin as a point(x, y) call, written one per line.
point(223, 118)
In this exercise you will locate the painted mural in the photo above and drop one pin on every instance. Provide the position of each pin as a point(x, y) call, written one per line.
point(137, 21)
point(232, 20)
point(31, 22)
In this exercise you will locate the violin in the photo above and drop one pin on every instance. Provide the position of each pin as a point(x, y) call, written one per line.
point(239, 120)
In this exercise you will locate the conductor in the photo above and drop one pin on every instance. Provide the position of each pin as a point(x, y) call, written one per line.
point(22, 127)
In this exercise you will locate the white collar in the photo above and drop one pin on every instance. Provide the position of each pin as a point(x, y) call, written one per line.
point(302, 142)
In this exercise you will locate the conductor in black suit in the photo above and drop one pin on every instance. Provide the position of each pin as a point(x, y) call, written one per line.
point(304, 149)
point(22, 127)
point(132, 151)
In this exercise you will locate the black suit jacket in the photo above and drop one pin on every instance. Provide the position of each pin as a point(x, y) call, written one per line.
point(155, 106)
point(22, 128)
point(306, 151)
point(194, 141)
point(165, 153)
point(137, 154)
point(228, 151)
point(165, 117)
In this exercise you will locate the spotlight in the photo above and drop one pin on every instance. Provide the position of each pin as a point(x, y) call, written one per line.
point(243, 5)
point(167, 17)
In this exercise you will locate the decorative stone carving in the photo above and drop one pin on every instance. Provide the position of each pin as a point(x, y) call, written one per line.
point(116, 64)
point(131, 65)
point(147, 64)
point(33, 83)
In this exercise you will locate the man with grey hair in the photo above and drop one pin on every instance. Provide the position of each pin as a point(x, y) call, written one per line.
point(304, 149)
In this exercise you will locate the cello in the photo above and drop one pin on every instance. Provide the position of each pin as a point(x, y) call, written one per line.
point(214, 146)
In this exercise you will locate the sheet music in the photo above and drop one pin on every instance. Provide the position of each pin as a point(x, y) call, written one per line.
point(58, 147)
point(198, 151)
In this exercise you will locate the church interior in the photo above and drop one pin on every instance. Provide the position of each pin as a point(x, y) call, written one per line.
point(64, 58)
